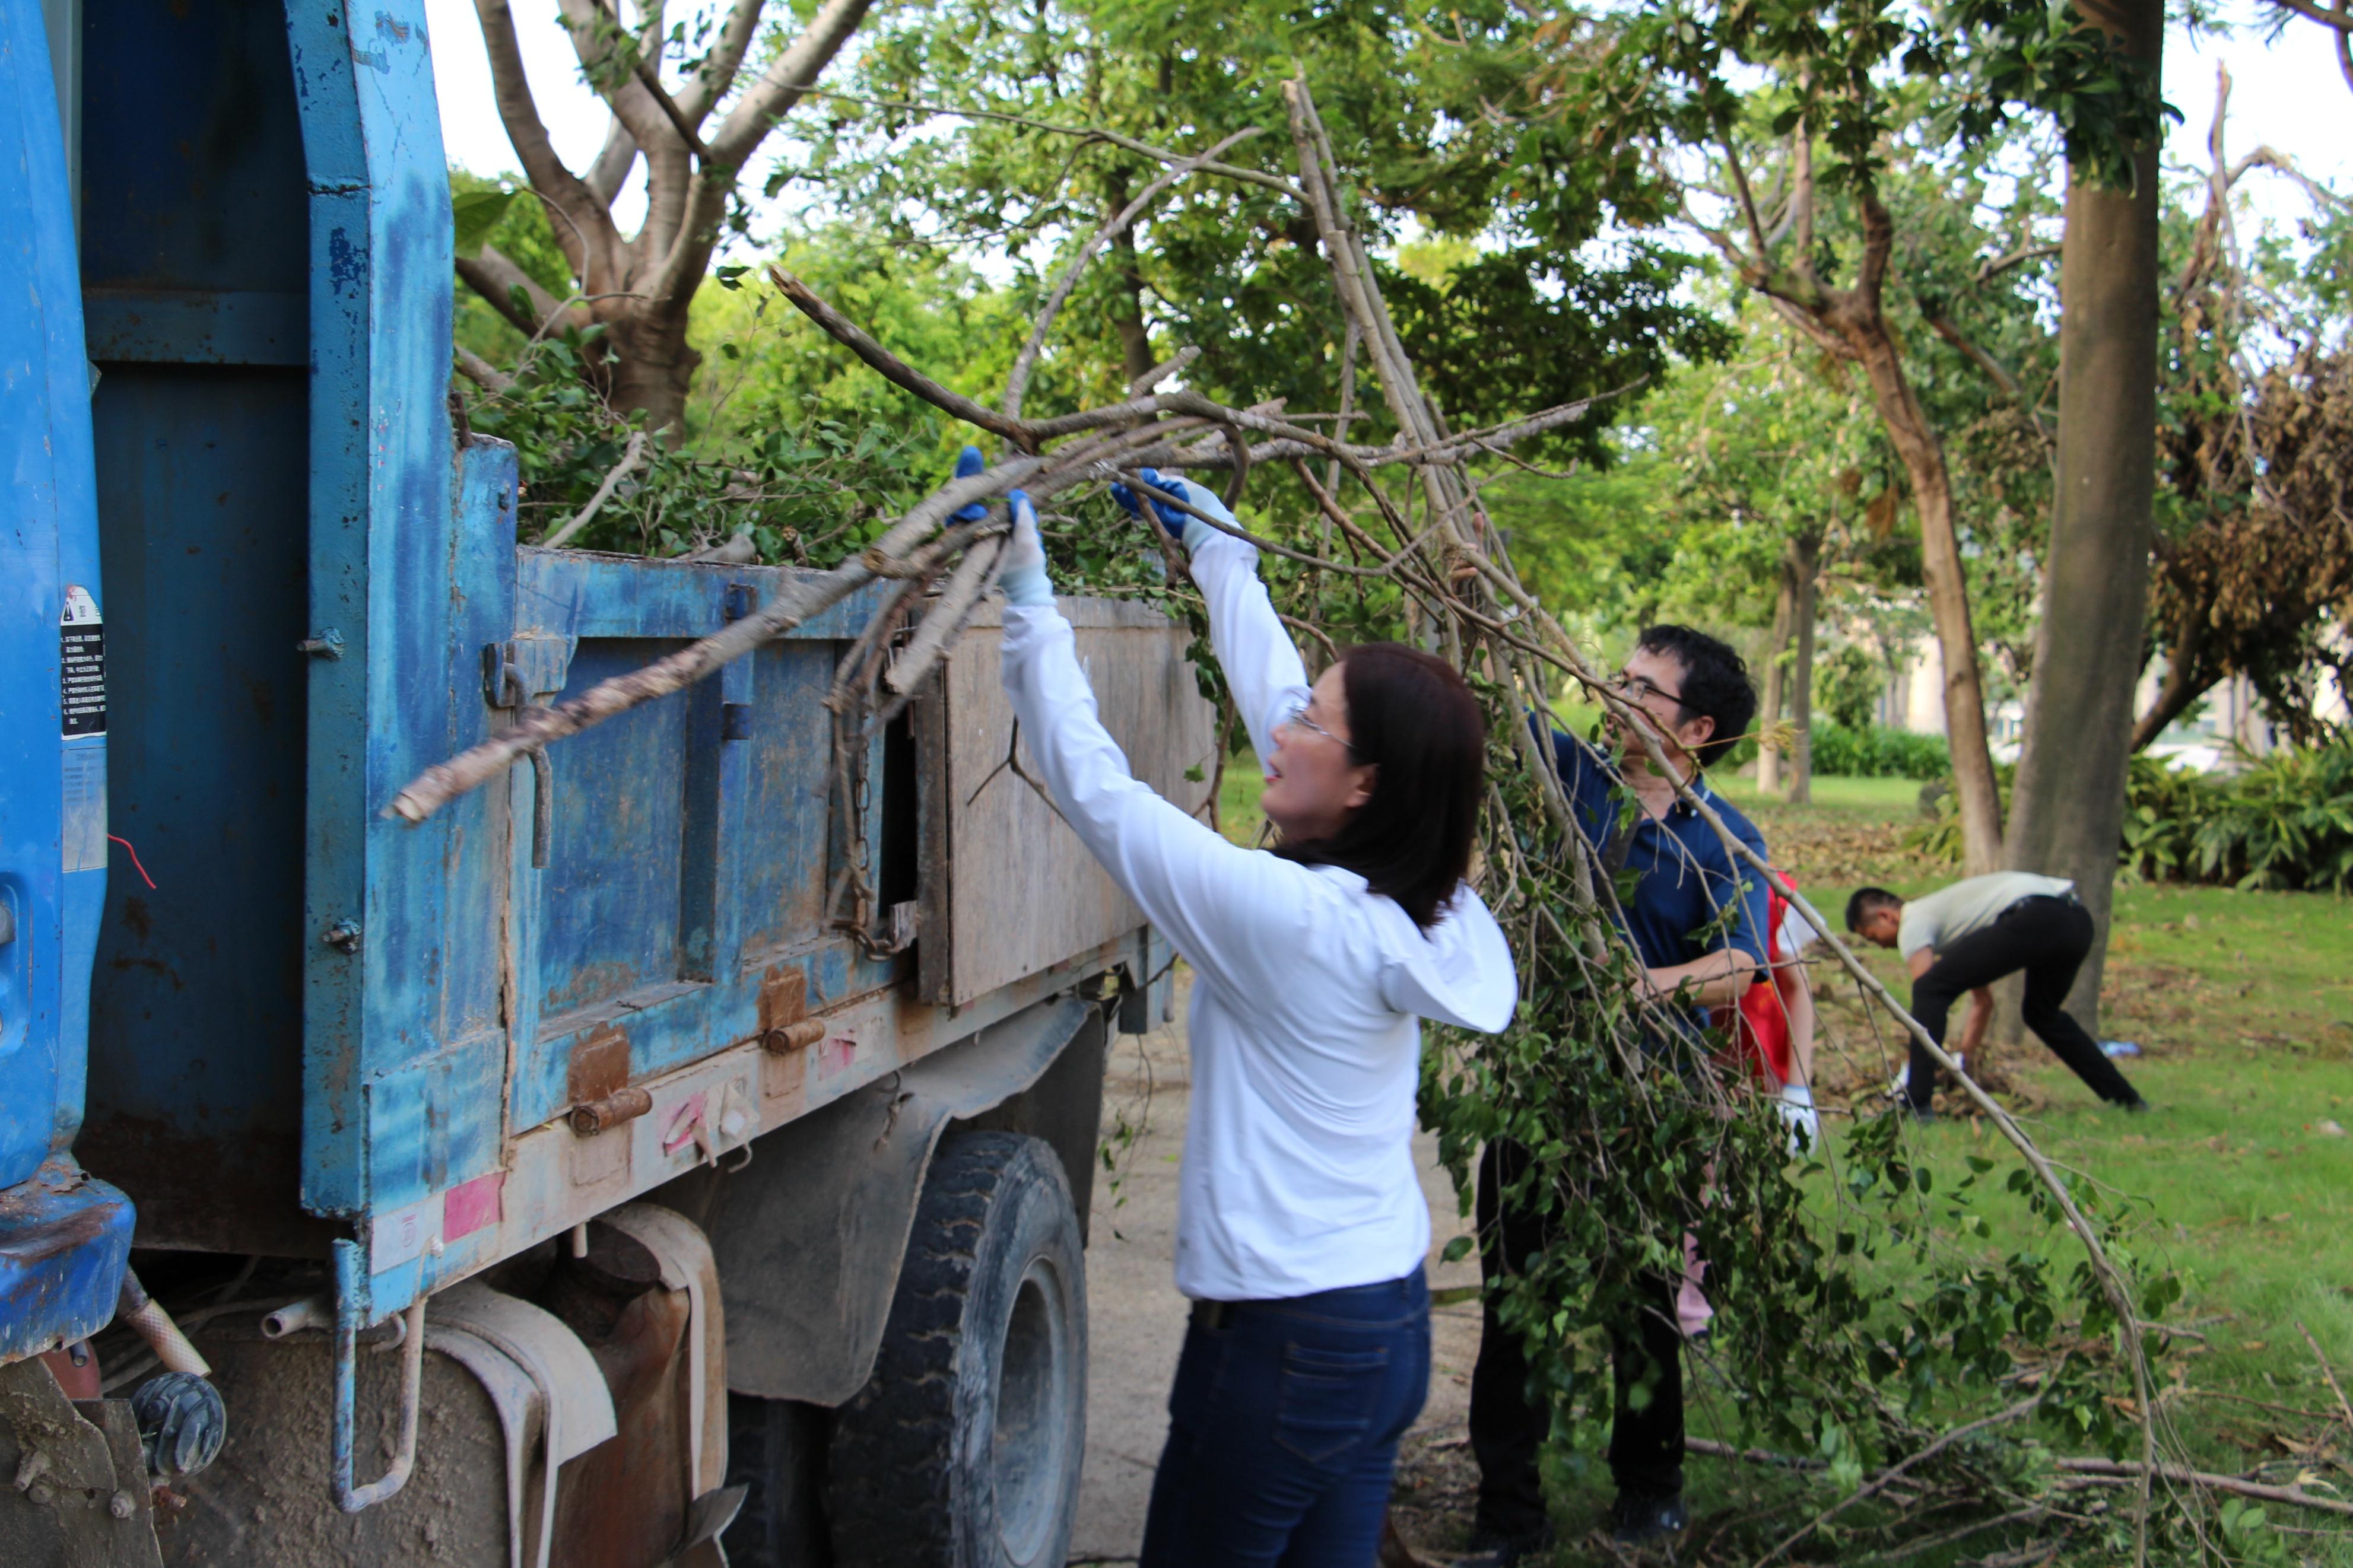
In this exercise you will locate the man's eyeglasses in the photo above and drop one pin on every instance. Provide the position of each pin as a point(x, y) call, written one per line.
point(1297, 719)
point(1639, 690)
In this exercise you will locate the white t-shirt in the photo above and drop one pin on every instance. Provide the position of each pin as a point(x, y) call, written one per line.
point(1298, 1173)
point(1972, 904)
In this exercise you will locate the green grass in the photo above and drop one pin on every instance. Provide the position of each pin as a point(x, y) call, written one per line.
point(1238, 793)
point(2242, 1003)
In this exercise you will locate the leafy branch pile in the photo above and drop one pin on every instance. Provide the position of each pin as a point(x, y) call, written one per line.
point(1864, 1344)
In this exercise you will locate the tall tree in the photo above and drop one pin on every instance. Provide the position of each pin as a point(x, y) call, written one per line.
point(2069, 801)
point(638, 288)
point(1814, 93)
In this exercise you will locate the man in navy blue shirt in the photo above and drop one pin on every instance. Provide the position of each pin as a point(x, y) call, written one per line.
point(1697, 919)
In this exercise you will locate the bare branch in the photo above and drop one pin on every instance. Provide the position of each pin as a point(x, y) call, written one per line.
point(768, 100)
point(1274, 183)
point(481, 371)
point(1994, 372)
point(2182, 1476)
point(527, 132)
point(1990, 269)
point(631, 456)
point(716, 73)
point(848, 333)
point(2340, 20)
point(1016, 381)
point(1173, 365)
point(1747, 204)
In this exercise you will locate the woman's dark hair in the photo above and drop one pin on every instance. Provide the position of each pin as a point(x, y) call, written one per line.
point(1716, 683)
point(1411, 717)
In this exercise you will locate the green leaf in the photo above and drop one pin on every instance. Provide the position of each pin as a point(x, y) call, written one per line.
point(1195, 774)
point(478, 214)
point(1456, 1250)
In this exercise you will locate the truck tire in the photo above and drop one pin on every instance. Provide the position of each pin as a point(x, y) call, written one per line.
point(963, 1449)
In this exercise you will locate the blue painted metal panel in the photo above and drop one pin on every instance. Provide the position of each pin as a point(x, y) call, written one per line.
point(63, 1238)
point(194, 168)
point(683, 866)
point(38, 308)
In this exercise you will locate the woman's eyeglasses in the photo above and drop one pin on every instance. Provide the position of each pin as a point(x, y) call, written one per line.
point(1297, 719)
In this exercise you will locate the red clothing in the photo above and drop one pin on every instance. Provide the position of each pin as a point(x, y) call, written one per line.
point(1760, 1025)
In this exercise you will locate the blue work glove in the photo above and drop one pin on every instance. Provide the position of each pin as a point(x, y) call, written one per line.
point(1023, 575)
point(968, 463)
point(1191, 531)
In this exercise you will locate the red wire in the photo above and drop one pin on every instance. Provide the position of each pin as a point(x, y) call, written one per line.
point(134, 860)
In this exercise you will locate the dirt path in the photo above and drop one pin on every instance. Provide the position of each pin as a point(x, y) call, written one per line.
point(1137, 1320)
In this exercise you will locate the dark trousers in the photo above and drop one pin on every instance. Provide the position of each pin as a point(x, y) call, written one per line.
point(2047, 938)
point(1508, 1428)
point(1283, 1428)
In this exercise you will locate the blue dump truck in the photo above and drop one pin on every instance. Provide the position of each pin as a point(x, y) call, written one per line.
point(565, 1180)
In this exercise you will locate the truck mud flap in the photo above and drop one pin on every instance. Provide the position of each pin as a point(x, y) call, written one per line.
point(810, 1235)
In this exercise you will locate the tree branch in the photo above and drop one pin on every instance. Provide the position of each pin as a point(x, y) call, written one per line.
point(1274, 183)
point(892, 369)
point(597, 36)
point(631, 456)
point(1016, 381)
point(716, 73)
point(2183, 1475)
point(1748, 204)
point(1993, 370)
point(2340, 20)
point(495, 278)
point(785, 83)
point(590, 258)
point(1991, 268)
point(481, 371)
point(611, 170)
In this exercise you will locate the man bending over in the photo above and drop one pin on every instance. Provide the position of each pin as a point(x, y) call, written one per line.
point(1965, 937)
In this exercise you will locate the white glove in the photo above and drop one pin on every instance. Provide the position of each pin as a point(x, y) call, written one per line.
point(1796, 1108)
point(1023, 575)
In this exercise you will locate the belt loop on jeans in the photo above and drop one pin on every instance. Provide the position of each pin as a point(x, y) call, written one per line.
point(1212, 1315)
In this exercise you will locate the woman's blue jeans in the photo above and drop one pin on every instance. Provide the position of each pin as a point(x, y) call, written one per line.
point(1283, 1428)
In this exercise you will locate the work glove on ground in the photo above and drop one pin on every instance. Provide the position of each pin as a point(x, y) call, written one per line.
point(1190, 531)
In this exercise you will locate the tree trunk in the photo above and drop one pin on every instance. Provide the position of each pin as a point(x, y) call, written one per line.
point(2183, 685)
point(1974, 788)
point(2070, 797)
point(652, 368)
point(1785, 609)
point(1806, 556)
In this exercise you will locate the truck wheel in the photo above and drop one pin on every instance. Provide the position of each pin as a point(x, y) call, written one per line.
point(962, 1450)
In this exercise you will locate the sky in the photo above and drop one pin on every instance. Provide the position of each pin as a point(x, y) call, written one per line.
point(2290, 97)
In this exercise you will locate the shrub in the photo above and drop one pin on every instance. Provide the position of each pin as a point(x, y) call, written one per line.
point(1878, 753)
point(2286, 823)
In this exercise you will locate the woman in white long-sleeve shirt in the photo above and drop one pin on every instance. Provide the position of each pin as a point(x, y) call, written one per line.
point(1301, 1224)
